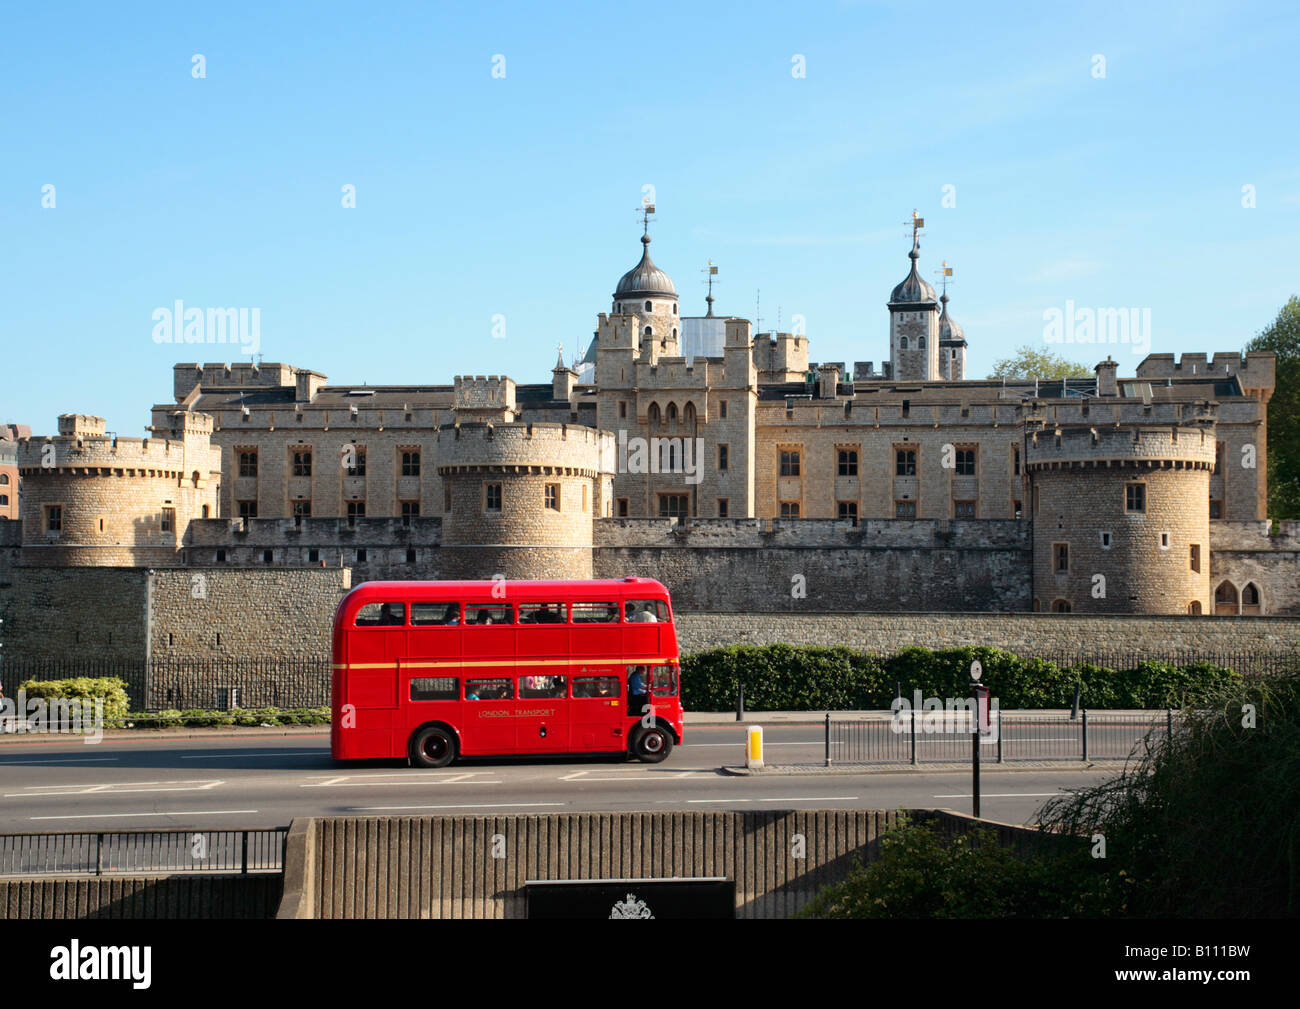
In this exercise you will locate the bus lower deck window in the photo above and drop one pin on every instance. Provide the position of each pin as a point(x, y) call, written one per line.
point(435, 688)
point(489, 690)
point(596, 686)
point(532, 687)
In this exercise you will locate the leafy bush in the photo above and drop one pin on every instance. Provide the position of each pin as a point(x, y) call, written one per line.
point(203, 718)
point(796, 678)
point(110, 689)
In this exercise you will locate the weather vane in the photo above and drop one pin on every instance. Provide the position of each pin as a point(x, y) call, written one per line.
point(943, 274)
point(712, 272)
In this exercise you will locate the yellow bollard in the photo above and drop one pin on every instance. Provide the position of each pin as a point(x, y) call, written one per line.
point(754, 746)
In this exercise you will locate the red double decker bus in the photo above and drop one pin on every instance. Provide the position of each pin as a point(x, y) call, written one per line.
point(432, 671)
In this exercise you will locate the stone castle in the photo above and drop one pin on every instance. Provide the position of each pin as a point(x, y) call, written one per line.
point(727, 464)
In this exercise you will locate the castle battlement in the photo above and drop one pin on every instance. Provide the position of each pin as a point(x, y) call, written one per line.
point(536, 445)
point(1180, 446)
point(1256, 368)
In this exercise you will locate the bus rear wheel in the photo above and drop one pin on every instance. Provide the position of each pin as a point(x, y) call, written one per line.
point(650, 746)
point(433, 746)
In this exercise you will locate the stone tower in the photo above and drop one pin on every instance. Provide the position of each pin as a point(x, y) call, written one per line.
point(519, 499)
point(1121, 513)
point(914, 323)
point(952, 345)
point(94, 500)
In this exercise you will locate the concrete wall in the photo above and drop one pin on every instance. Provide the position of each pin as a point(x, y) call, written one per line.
point(174, 897)
point(1026, 633)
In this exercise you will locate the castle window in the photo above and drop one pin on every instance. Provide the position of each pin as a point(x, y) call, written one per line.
point(1061, 606)
point(963, 509)
point(354, 459)
point(1218, 457)
point(356, 510)
point(622, 507)
point(789, 462)
point(410, 510)
point(722, 458)
point(1194, 608)
point(649, 331)
point(410, 555)
point(920, 343)
point(53, 518)
point(1016, 510)
point(789, 509)
point(723, 507)
point(847, 462)
point(552, 499)
point(1135, 497)
point(4, 499)
point(168, 520)
point(248, 464)
point(313, 556)
point(674, 311)
point(1250, 599)
point(907, 407)
point(905, 462)
point(207, 513)
point(965, 462)
point(722, 409)
point(410, 464)
point(1216, 508)
point(584, 499)
point(904, 509)
point(649, 306)
point(672, 506)
point(302, 463)
point(221, 557)
point(492, 497)
point(1195, 559)
point(1061, 558)
point(361, 555)
point(1164, 541)
point(1105, 541)
point(247, 509)
point(1015, 460)
point(268, 556)
point(902, 343)
point(622, 409)
point(847, 510)
point(4, 479)
point(301, 510)
point(1036, 606)
point(446, 498)
point(1225, 599)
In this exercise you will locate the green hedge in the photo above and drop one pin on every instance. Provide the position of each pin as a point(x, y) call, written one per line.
point(812, 678)
point(111, 689)
point(171, 718)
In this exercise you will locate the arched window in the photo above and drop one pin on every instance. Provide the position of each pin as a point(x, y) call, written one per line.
point(671, 416)
point(1061, 606)
point(652, 415)
point(1036, 606)
point(902, 343)
point(920, 343)
point(649, 331)
point(1194, 608)
point(688, 416)
point(1225, 599)
point(674, 334)
point(674, 309)
point(649, 306)
point(1250, 599)
point(4, 479)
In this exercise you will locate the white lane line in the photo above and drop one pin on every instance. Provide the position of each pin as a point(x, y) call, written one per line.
point(463, 805)
point(812, 798)
point(394, 784)
point(268, 753)
point(117, 789)
point(1001, 795)
point(179, 812)
point(61, 760)
point(719, 800)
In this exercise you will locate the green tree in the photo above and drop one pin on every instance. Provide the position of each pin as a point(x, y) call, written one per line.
point(1027, 362)
point(1283, 339)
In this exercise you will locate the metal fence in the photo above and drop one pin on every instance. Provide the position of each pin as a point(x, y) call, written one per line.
point(941, 738)
point(144, 851)
point(212, 684)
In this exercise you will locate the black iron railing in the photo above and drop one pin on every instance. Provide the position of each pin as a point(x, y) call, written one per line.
point(101, 853)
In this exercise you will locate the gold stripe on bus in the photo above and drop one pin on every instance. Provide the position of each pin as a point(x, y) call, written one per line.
point(486, 663)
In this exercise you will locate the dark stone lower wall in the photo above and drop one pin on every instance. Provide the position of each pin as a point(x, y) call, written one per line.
point(253, 896)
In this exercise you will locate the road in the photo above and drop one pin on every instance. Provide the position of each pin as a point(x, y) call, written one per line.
point(224, 783)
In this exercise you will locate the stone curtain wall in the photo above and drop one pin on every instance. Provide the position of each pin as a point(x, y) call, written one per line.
point(64, 614)
point(821, 564)
point(270, 613)
point(1030, 634)
point(1243, 552)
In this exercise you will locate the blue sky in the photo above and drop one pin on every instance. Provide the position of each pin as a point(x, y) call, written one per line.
point(516, 196)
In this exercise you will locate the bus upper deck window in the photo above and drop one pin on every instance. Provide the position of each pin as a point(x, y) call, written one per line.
point(646, 611)
point(381, 615)
point(542, 613)
point(435, 614)
point(496, 614)
point(595, 613)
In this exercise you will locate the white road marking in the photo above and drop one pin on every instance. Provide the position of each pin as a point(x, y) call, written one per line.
point(464, 805)
point(118, 788)
point(178, 812)
point(581, 776)
point(813, 798)
point(268, 753)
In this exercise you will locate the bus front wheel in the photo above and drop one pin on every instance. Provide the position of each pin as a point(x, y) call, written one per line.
point(433, 747)
point(652, 745)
